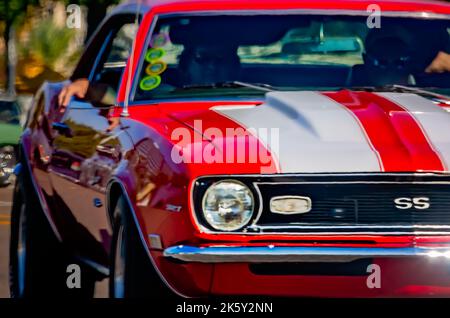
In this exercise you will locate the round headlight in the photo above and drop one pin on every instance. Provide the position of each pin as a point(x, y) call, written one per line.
point(228, 205)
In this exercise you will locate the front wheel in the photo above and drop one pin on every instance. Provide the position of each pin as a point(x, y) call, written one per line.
point(132, 273)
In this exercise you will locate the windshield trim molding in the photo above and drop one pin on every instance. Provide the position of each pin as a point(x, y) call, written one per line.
point(338, 12)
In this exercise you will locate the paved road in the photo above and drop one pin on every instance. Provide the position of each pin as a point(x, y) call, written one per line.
point(5, 206)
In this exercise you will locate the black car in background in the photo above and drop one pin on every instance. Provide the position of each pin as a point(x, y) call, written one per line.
point(10, 130)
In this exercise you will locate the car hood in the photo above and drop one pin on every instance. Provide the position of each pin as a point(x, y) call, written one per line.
point(345, 131)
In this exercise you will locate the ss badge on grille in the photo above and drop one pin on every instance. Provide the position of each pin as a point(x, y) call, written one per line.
point(419, 203)
point(290, 204)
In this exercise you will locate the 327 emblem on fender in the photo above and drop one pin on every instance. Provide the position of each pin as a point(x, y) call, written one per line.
point(419, 203)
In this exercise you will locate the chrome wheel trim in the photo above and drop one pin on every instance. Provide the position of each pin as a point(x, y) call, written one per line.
point(21, 250)
point(119, 266)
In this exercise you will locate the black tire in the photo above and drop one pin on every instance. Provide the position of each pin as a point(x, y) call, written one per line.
point(132, 274)
point(38, 261)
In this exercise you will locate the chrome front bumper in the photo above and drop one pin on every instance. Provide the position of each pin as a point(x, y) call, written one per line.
point(280, 254)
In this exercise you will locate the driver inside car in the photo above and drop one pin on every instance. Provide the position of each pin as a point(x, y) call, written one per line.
point(396, 55)
point(387, 58)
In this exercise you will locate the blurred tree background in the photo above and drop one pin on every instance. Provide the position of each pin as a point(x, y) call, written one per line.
point(34, 34)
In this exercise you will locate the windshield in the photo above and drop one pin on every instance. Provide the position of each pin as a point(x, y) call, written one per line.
point(193, 56)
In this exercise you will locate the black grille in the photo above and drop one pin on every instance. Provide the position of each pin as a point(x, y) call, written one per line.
point(346, 203)
point(365, 204)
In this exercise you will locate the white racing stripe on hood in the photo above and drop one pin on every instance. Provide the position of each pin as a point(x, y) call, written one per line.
point(316, 134)
point(434, 121)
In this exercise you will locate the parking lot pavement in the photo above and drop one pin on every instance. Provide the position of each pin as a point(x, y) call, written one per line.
point(101, 289)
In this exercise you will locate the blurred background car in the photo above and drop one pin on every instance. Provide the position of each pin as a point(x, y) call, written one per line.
point(10, 130)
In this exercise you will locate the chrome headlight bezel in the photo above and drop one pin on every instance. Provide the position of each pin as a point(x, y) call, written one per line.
point(248, 214)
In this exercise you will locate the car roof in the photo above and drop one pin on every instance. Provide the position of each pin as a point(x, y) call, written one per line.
point(427, 6)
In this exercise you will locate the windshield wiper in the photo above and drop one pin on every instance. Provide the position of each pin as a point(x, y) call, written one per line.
point(435, 96)
point(418, 91)
point(406, 89)
point(233, 84)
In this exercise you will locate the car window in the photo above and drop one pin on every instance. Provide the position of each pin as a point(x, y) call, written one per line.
point(93, 59)
point(193, 56)
point(344, 42)
point(112, 59)
point(121, 46)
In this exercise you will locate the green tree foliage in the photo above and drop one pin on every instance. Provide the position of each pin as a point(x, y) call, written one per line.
point(45, 55)
point(13, 12)
point(47, 42)
point(10, 13)
point(10, 10)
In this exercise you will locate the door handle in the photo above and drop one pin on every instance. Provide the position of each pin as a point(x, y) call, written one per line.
point(62, 129)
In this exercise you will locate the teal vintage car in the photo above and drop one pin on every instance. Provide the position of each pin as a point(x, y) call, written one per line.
point(10, 131)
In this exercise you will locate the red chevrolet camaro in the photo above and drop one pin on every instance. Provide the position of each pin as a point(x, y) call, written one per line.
point(278, 148)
